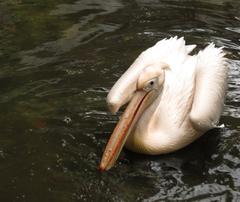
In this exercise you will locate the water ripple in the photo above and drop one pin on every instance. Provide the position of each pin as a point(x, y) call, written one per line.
point(78, 34)
point(59, 60)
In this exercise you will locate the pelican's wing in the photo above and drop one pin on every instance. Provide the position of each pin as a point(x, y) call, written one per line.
point(210, 87)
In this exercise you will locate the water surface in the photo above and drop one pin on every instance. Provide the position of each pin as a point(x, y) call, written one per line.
point(58, 60)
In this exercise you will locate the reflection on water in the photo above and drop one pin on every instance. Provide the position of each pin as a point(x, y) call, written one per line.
point(58, 61)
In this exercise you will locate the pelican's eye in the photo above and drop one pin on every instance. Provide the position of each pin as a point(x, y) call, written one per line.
point(151, 84)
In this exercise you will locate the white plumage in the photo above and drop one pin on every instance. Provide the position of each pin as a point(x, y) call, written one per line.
point(188, 97)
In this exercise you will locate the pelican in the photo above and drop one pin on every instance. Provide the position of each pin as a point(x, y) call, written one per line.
point(173, 97)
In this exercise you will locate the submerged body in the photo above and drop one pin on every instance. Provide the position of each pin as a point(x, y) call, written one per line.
point(183, 97)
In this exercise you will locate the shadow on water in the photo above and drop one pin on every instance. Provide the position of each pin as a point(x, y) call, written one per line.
point(58, 62)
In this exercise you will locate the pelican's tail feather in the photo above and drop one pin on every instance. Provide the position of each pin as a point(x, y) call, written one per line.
point(212, 57)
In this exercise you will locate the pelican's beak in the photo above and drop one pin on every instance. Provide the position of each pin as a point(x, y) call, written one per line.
point(123, 91)
point(140, 101)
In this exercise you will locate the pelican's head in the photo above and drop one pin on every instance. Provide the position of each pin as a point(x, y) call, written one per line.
point(139, 85)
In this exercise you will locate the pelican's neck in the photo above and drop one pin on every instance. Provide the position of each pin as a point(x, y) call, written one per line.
point(165, 121)
point(173, 105)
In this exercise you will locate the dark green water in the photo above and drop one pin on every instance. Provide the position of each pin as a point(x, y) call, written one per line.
point(59, 58)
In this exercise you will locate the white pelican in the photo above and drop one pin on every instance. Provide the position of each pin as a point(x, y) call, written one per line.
point(174, 99)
